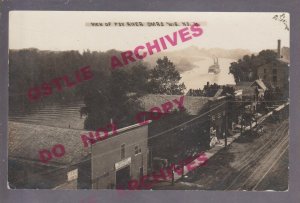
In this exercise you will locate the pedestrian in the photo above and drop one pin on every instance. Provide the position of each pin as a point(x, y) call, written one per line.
point(172, 176)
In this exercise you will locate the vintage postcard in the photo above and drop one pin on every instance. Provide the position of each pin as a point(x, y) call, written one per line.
point(148, 100)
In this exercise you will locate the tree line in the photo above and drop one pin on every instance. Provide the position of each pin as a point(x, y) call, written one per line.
point(111, 94)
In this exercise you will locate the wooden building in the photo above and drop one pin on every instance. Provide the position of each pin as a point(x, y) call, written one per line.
point(103, 164)
point(120, 158)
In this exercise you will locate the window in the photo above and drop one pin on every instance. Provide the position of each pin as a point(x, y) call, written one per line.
point(265, 70)
point(274, 78)
point(136, 150)
point(265, 77)
point(122, 151)
point(274, 71)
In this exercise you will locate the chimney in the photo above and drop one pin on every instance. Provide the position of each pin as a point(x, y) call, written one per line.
point(279, 49)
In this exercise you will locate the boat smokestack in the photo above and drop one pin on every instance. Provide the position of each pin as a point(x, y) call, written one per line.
point(279, 49)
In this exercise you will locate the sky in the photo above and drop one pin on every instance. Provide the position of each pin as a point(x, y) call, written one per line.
point(68, 30)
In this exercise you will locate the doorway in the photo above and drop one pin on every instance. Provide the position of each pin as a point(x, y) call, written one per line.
point(123, 177)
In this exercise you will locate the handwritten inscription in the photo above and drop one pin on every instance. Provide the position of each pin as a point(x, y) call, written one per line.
point(282, 18)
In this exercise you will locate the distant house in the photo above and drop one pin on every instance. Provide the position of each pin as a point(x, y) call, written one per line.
point(194, 92)
point(251, 90)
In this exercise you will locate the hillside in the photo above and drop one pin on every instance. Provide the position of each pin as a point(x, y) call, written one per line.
point(185, 58)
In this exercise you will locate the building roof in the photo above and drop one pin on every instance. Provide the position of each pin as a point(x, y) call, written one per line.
point(25, 141)
point(258, 82)
point(284, 60)
point(191, 103)
point(242, 85)
point(219, 92)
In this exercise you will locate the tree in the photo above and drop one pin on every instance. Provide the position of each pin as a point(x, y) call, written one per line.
point(139, 75)
point(117, 99)
point(245, 69)
point(164, 79)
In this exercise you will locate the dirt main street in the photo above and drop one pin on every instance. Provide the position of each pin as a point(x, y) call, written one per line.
point(250, 163)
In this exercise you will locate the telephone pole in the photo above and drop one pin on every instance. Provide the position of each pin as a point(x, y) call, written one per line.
point(226, 121)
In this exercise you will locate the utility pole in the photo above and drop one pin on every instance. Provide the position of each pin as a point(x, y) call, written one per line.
point(182, 165)
point(242, 124)
point(183, 158)
point(226, 120)
point(151, 158)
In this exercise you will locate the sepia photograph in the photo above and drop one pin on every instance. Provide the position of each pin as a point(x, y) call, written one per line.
point(149, 100)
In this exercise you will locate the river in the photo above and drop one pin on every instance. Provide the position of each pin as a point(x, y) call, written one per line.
point(57, 115)
point(198, 76)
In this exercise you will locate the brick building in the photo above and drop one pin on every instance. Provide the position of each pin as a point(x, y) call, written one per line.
point(275, 74)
